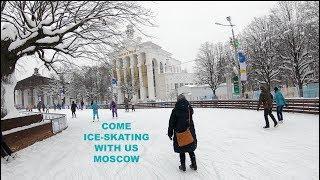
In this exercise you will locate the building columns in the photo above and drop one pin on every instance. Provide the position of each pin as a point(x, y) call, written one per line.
point(143, 93)
point(119, 83)
point(22, 98)
point(141, 63)
point(133, 79)
point(150, 81)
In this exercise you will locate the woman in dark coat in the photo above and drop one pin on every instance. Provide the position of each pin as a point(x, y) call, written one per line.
point(179, 122)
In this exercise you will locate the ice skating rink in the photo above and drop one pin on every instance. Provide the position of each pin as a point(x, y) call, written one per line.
point(231, 145)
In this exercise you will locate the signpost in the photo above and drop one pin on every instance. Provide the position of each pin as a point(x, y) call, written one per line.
point(236, 88)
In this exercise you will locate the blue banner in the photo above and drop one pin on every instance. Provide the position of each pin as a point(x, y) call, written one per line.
point(242, 58)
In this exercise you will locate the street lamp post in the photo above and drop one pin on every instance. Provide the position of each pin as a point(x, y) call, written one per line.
point(234, 45)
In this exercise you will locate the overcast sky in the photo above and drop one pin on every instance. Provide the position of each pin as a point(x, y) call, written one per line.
point(184, 26)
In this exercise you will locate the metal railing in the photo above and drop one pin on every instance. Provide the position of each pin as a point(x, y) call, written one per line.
point(59, 121)
point(310, 106)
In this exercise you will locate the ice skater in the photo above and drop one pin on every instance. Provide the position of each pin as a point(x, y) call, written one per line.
point(82, 104)
point(95, 108)
point(126, 104)
point(39, 106)
point(281, 102)
point(43, 107)
point(180, 121)
point(266, 99)
point(47, 108)
point(132, 105)
point(113, 108)
point(73, 109)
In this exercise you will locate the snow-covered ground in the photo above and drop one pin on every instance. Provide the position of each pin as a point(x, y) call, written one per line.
point(231, 145)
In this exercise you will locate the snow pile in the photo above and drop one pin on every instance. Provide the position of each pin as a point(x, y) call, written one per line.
point(231, 145)
point(25, 127)
point(8, 89)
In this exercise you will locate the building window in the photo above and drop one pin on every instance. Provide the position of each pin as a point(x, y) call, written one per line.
point(181, 84)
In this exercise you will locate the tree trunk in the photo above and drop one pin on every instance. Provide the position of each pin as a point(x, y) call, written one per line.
point(298, 75)
point(7, 97)
point(8, 81)
point(8, 60)
point(300, 89)
point(214, 94)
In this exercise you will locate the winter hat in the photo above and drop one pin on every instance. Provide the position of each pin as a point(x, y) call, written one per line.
point(263, 88)
point(181, 96)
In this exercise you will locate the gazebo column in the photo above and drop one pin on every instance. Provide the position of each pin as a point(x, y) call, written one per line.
point(22, 98)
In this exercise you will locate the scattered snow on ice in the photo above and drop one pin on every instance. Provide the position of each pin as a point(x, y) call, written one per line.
point(231, 145)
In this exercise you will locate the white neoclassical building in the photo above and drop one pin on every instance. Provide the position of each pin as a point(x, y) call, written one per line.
point(149, 69)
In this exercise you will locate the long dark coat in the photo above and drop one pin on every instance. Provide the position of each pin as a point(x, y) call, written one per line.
point(73, 107)
point(179, 122)
point(265, 99)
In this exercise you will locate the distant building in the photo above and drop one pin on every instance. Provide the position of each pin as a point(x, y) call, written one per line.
point(29, 91)
point(203, 92)
point(152, 71)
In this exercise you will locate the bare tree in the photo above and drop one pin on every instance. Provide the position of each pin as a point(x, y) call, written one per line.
point(298, 34)
point(207, 66)
point(90, 83)
point(260, 45)
point(57, 31)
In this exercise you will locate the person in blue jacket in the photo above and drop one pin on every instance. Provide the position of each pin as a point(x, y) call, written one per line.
point(281, 102)
point(95, 108)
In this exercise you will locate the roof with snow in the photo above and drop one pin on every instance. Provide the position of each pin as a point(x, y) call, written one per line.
point(34, 81)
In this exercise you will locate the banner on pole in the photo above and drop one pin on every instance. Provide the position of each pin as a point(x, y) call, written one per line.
point(243, 77)
point(243, 66)
point(114, 82)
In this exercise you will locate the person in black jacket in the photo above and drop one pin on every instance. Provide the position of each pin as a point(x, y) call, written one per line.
point(73, 109)
point(179, 122)
point(82, 104)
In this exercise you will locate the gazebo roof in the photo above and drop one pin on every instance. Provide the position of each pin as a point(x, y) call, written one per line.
point(33, 81)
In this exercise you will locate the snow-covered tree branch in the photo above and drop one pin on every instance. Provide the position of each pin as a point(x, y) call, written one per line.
point(59, 31)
